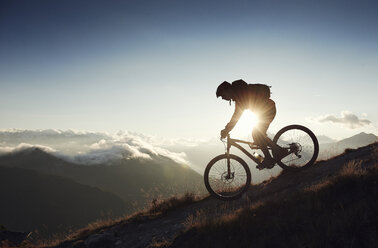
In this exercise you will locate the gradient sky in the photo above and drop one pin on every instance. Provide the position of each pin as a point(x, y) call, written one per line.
point(153, 66)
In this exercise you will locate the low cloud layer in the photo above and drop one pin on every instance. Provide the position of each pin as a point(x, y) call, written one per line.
point(347, 119)
point(87, 147)
point(23, 146)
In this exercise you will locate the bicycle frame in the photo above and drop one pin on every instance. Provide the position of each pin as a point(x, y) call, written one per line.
point(234, 142)
point(228, 176)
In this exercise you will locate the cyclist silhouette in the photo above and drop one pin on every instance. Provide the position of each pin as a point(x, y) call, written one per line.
point(255, 97)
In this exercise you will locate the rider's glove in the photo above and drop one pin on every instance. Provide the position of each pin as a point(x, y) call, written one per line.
point(224, 133)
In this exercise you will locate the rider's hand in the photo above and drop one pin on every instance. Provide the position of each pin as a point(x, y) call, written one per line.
point(224, 133)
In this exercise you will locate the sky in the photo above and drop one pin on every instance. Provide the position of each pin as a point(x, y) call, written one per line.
point(153, 66)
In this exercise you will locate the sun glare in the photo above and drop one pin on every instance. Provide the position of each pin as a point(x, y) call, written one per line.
point(245, 124)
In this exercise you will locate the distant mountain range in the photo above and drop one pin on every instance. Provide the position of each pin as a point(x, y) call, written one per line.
point(57, 190)
point(331, 149)
point(358, 140)
point(322, 139)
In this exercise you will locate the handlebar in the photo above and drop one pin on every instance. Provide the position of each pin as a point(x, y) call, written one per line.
point(236, 140)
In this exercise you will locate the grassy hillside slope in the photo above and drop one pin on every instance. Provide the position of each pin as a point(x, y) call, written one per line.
point(338, 212)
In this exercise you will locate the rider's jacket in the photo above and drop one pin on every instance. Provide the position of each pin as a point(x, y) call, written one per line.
point(264, 108)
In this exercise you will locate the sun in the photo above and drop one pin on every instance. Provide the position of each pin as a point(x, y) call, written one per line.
point(246, 123)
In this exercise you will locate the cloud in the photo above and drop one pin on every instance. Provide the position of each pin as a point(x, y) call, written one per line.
point(103, 155)
point(23, 146)
point(88, 147)
point(347, 119)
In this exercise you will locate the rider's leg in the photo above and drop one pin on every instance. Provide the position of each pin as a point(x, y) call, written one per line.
point(266, 116)
point(259, 133)
point(264, 141)
point(267, 112)
point(260, 138)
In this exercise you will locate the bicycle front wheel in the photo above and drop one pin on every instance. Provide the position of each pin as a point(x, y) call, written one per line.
point(227, 184)
point(302, 144)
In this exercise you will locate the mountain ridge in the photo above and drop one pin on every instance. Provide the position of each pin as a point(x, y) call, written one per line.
point(328, 150)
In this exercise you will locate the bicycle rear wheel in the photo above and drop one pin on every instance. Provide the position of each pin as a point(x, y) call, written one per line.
point(223, 185)
point(302, 144)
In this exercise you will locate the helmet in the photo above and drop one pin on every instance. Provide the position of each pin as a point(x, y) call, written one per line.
point(222, 88)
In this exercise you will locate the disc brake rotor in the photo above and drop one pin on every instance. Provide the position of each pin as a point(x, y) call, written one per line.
point(227, 178)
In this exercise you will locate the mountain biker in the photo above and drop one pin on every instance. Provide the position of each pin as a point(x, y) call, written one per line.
point(253, 97)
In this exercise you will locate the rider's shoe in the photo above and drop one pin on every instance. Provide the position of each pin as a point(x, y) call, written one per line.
point(268, 163)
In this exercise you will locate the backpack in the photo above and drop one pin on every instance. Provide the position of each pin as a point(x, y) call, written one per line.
point(261, 91)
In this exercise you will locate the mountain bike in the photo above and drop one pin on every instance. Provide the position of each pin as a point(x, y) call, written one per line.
point(228, 176)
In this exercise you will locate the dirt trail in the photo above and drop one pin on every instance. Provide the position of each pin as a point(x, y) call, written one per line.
point(142, 233)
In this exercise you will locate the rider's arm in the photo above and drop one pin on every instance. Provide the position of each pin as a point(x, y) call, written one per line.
point(235, 117)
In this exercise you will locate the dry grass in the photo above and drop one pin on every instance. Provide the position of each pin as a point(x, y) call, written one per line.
point(159, 244)
point(203, 218)
point(234, 215)
point(91, 228)
point(24, 244)
point(197, 219)
point(94, 227)
point(353, 168)
point(161, 207)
